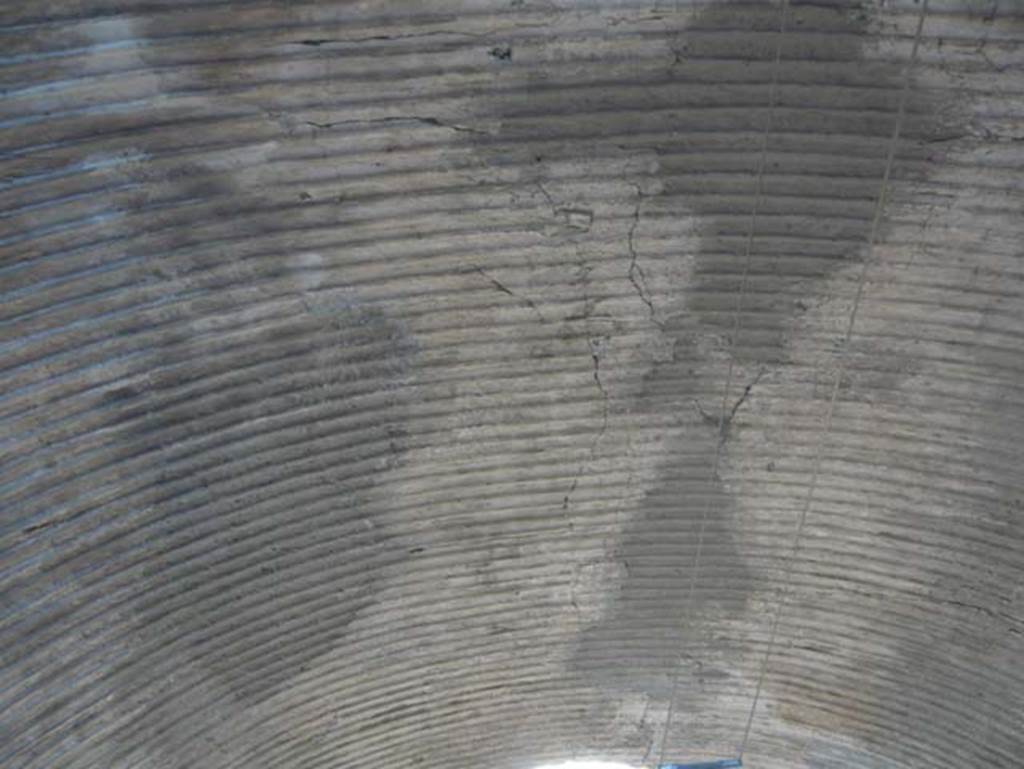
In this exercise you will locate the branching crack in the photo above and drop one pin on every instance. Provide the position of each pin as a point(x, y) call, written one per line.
point(576, 217)
point(980, 51)
point(636, 272)
point(724, 422)
point(600, 386)
point(744, 395)
point(526, 301)
point(595, 354)
point(710, 419)
point(433, 121)
point(548, 198)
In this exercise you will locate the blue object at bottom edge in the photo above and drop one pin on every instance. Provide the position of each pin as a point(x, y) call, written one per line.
point(724, 763)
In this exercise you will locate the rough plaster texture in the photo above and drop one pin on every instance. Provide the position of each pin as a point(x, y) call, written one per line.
point(371, 369)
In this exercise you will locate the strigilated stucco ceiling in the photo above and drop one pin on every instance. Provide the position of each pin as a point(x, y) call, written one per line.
point(463, 383)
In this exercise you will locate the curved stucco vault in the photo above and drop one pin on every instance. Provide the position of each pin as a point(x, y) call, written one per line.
point(373, 373)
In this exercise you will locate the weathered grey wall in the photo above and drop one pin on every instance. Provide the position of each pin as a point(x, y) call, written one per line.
point(370, 370)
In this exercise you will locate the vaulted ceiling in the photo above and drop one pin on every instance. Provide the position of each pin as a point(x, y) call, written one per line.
point(464, 383)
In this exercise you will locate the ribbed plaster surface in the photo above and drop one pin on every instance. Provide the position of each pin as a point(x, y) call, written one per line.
point(443, 383)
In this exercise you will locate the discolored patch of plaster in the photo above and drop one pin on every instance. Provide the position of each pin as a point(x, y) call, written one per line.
point(780, 228)
point(245, 431)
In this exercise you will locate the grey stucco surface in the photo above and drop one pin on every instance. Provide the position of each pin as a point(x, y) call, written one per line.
point(374, 372)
